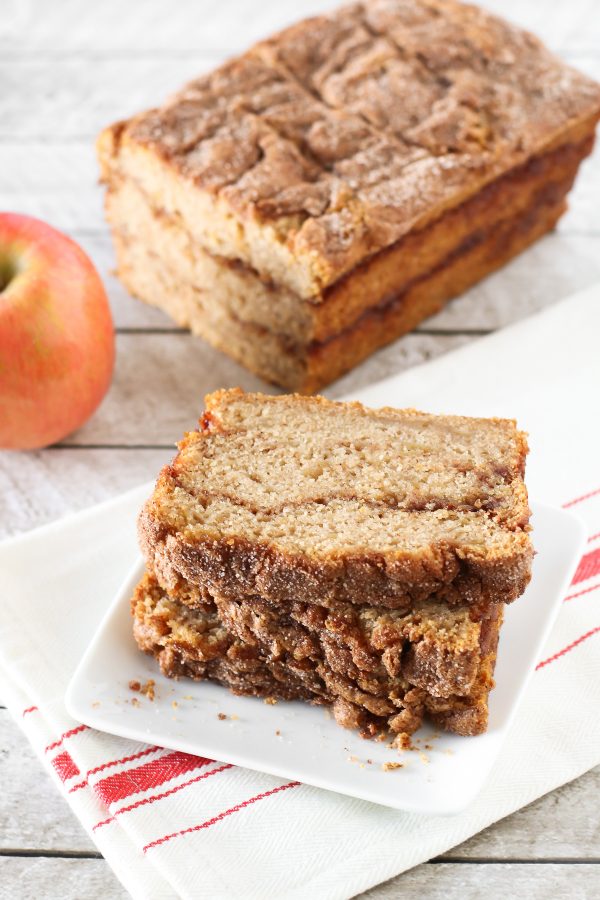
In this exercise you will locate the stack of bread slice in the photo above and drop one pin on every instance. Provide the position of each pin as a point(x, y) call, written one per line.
point(299, 548)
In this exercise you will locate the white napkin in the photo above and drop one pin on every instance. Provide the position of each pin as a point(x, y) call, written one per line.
point(172, 825)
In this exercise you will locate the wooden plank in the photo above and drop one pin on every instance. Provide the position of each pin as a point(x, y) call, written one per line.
point(69, 879)
point(80, 99)
point(59, 184)
point(41, 28)
point(40, 486)
point(561, 825)
point(447, 880)
point(90, 878)
point(32, 814)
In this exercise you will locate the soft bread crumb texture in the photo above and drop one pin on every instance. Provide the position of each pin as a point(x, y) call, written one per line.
point(305, 498)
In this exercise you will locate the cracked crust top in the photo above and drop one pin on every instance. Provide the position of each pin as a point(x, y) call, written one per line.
point(343, 132)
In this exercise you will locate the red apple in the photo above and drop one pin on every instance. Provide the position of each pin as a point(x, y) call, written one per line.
point(56, 334)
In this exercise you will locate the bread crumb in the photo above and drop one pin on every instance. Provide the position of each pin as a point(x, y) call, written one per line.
point(390, 766)
point(221, 716)
point(134, 685)
point(402, 742)
point(278, 733)
point(188, 697)
point(234, 718)
point(95, 704)
point(271, 700)
point(148, 689)
point(135, 701)
point(174, 704)
point(423, 757)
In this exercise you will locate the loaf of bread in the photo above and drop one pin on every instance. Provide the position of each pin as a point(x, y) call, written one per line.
point(316, 197)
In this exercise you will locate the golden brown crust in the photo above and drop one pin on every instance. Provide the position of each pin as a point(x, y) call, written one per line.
point(343, 133)
point(235, 566)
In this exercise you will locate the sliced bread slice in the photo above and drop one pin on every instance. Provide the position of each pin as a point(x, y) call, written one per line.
point(305, 499)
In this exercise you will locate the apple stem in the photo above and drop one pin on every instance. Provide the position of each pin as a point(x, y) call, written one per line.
point(8, 271)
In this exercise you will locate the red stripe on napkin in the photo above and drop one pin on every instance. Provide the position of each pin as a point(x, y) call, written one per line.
point(223, 815)
point(77, 787)
point(569, 647)
point(594, 587)
point(148, 800)
point(29, 709)
point(64, 766)
point(67, 734)
point(113, 762)
point(589, 566)
point(124, 759)
point(583, 497)
point(150, 775)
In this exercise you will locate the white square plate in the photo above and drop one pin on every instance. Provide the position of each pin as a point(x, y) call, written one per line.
point(299, 741)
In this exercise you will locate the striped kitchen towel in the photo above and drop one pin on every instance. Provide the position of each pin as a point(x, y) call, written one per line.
point(175, 825)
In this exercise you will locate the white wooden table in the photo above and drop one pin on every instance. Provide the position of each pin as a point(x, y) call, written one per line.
point(66, 69)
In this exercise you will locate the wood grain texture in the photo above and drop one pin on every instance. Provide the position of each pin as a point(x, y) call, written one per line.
point(31, 817)
point(438, 881)
point(92, 880)
point(52, 483)
point(60, 879)
point(150, 27)
point(66, 70)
